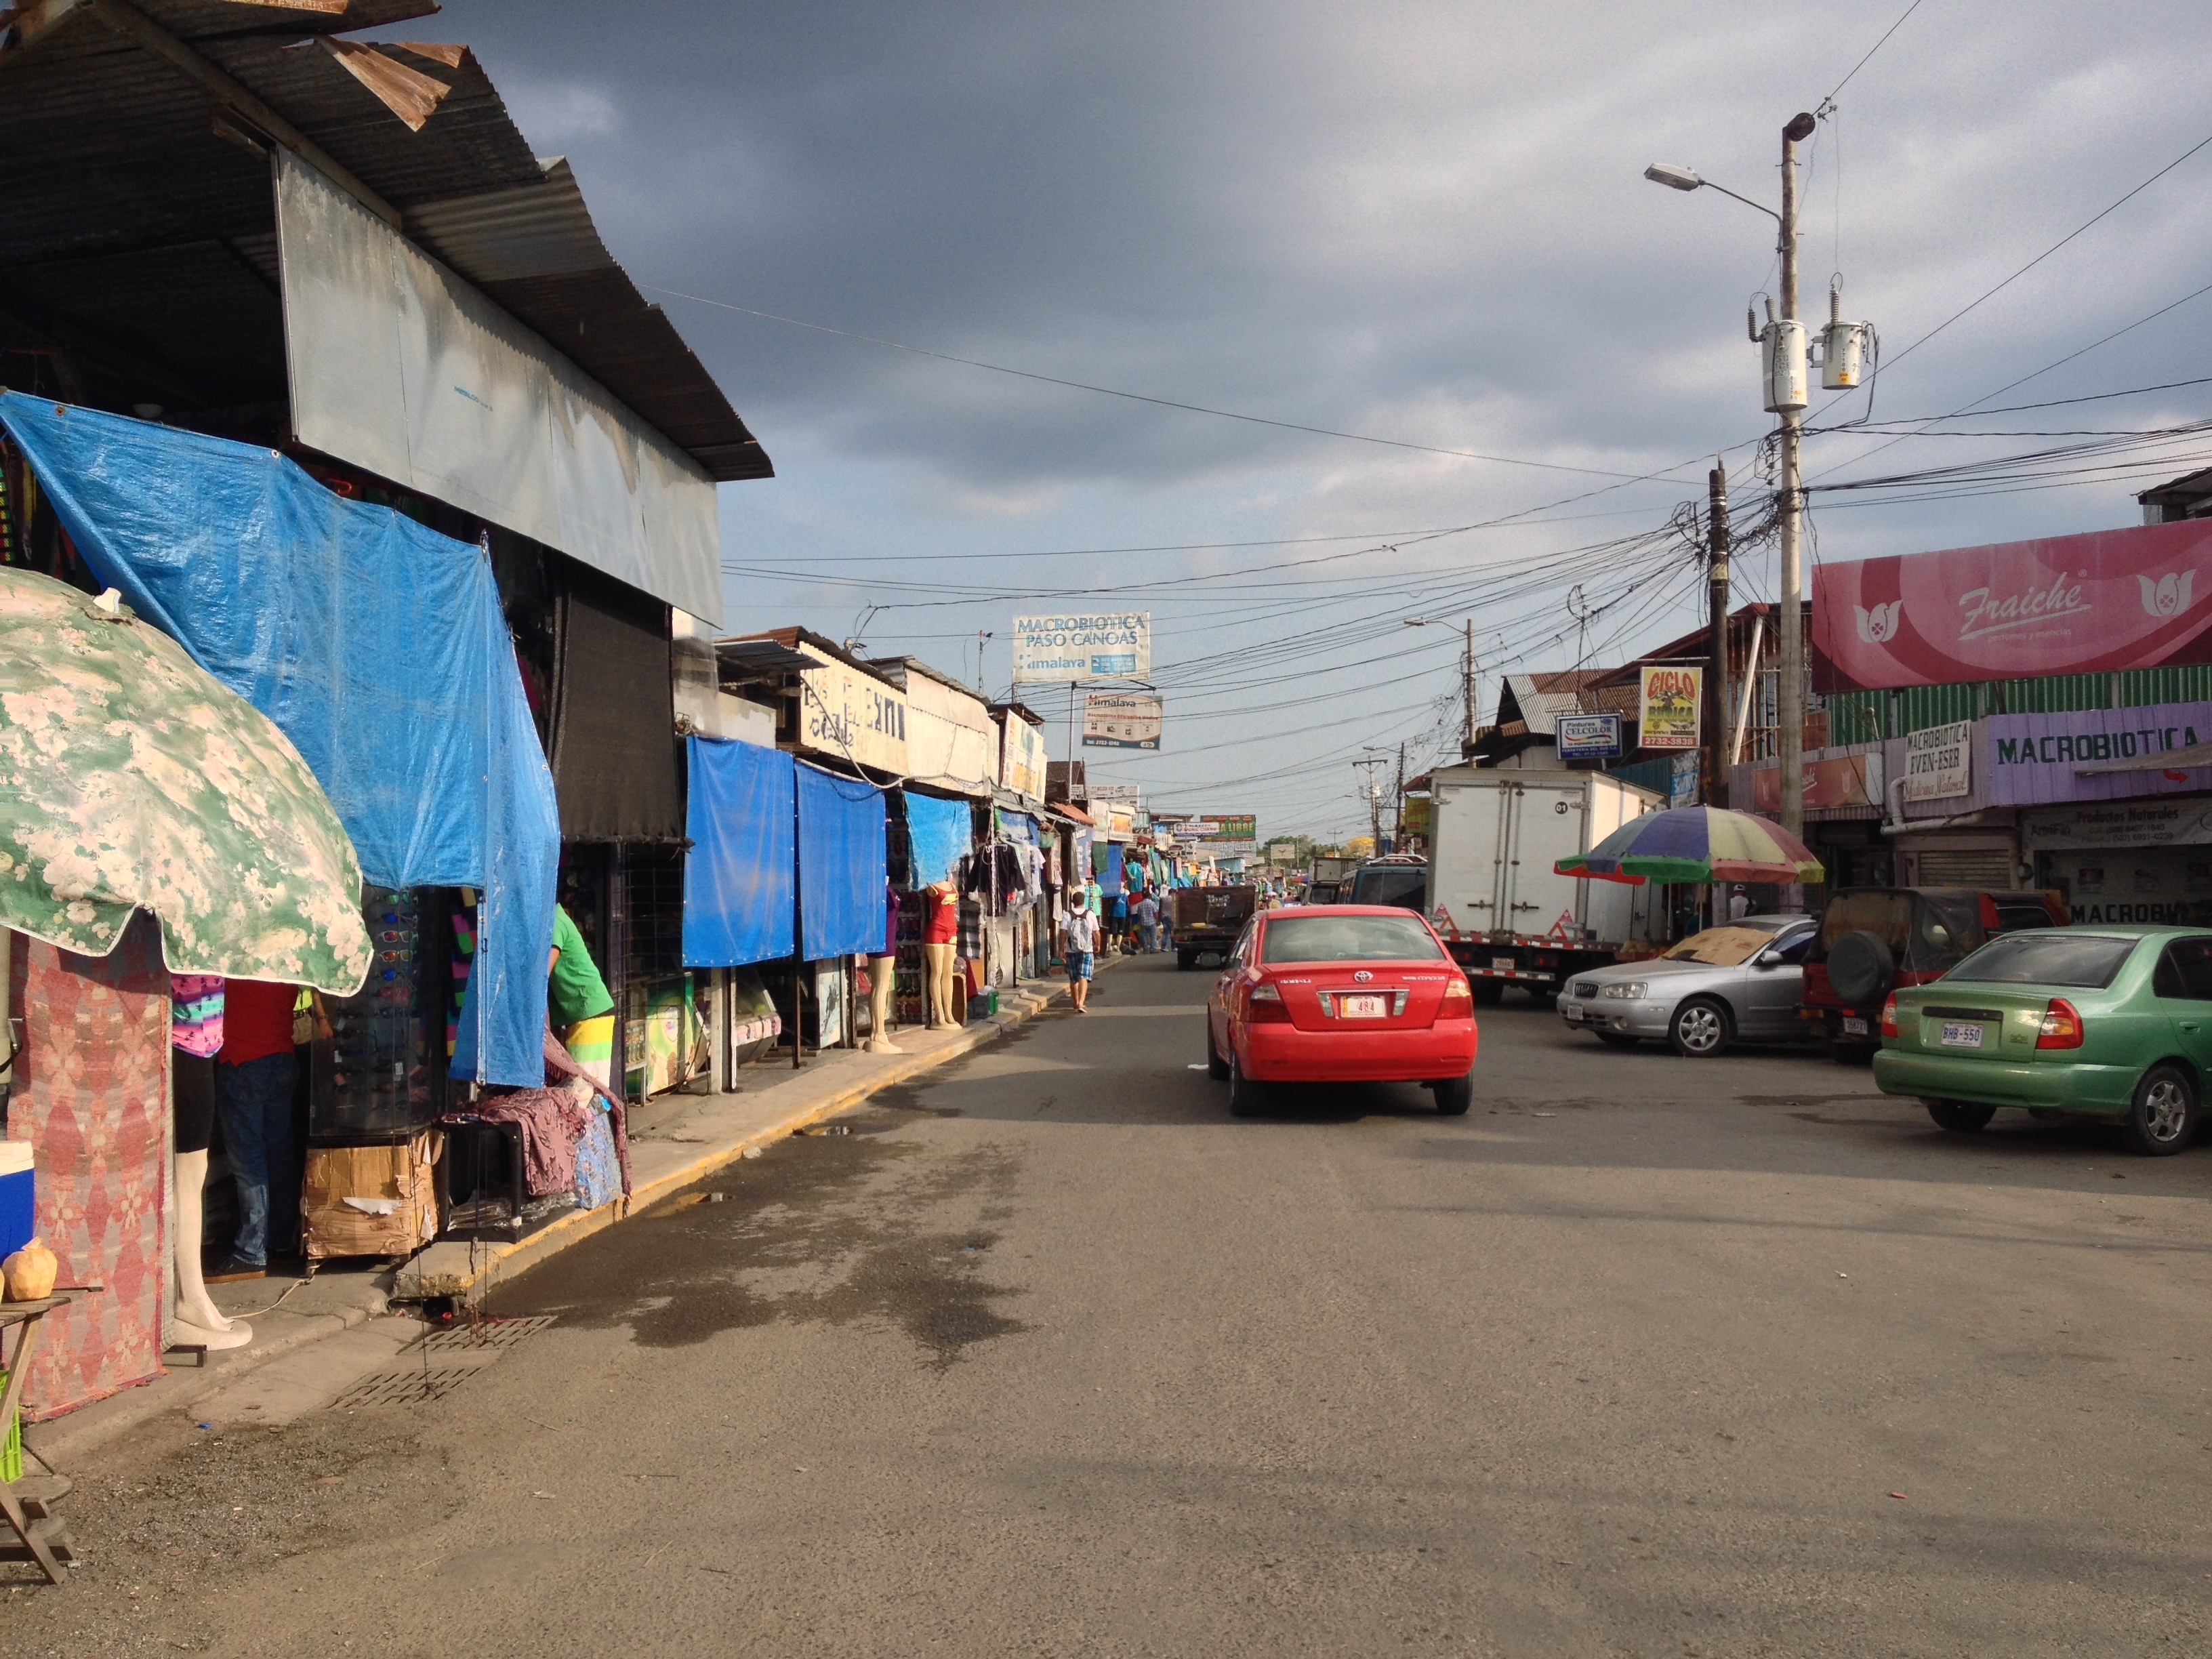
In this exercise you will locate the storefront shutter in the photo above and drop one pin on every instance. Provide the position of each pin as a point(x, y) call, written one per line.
point(1989, 868)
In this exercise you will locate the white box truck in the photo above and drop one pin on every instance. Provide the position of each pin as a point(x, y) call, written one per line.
point(1508, 919)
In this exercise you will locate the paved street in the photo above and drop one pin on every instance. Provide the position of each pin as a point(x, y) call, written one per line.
point(1645, 1357)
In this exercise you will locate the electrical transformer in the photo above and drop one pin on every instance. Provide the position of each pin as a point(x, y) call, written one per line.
point(1782, 363)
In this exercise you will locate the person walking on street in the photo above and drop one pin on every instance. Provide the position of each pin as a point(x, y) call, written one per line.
point(255, 1072)
point(1079, 937)
point(1147, 916)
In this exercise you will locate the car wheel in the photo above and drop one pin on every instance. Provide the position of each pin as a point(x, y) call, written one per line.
point(1216, 1067)
point(1454, 1095)
point(1617, 1039)
point(1957, 1117)
point(2162, 1118)
point(1243, 1093)
point(1700, 1028)
point(1488, 992)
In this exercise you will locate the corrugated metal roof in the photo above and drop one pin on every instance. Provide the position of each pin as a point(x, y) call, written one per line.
point(109, 159)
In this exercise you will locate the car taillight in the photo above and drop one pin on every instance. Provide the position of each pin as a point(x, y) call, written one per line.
point(1266, 1006)
point(1889, 1016)
point(2062, 1026)
point(1455, 992)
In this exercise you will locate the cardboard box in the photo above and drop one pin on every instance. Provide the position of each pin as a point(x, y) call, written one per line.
point(370, 1200)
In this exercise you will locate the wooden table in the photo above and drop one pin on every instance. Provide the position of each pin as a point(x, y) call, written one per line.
point(44, 1538)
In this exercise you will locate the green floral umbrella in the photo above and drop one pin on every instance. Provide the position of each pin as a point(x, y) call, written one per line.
point(129, 777)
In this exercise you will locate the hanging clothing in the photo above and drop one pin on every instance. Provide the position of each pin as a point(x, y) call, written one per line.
point(196, 1014)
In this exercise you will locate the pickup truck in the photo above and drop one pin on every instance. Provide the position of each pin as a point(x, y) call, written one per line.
point(1202, 919)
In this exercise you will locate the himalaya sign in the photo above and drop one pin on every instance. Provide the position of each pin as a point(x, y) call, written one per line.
point(2039, 758)
point(2068, 604)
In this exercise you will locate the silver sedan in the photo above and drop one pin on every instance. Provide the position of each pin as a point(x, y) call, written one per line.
point(1736, 983)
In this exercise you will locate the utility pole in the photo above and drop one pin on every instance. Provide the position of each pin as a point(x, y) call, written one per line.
point(1398, 819)
point(1374, 799)
point(1466, 747)
point(1717, 599)
point(1792, 617)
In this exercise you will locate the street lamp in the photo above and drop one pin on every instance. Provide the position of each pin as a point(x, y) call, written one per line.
point(1789, 402)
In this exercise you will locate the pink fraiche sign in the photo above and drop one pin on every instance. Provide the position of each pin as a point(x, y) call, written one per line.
point(2071, 604)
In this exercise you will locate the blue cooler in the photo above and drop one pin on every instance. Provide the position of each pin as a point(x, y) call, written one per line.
point(18, 1220)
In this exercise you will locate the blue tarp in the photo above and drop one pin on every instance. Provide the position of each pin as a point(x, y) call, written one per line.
point(378, 646)
point(940, 834)
point(737, 875)
point(1109, 880)
point(841, 866)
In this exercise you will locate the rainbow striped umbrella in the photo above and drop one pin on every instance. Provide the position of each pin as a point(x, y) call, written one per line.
point(1696, 844)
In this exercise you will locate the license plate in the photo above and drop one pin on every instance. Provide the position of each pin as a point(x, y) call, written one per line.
point(1571, 1010)
point(1502, 965)
point(1855, 1028)
point(1359, 1008)
point(1962, 1036)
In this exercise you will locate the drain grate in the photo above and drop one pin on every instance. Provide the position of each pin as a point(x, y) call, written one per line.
point(443, 1360)
point(485, 1334)
point(404, 1388)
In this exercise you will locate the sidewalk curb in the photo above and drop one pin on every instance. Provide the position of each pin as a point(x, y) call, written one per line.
point(68, 1439)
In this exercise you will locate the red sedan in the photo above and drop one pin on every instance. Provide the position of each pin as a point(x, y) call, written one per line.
point(1341, 993)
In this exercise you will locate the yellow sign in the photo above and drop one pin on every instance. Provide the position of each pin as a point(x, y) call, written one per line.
point(1672, 703)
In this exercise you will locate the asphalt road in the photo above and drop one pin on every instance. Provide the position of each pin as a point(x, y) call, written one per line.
point(1645, 1355)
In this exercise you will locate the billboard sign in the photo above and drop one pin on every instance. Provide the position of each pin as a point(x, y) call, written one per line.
point(2067, 604)
point(1831, 782)
point(1670, 707)
point(1590, 736)
point(1069, 648)
point(1218, 834)
point(1021, 755)
point(1939, 763)
point(1122, 720)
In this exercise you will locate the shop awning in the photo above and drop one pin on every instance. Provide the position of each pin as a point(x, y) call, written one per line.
point(841, 866)
point(738, 872)
point(376, 645)
point(939, 834)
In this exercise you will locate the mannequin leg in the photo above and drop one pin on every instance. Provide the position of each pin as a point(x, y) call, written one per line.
point(883, 973)
point(937, 960)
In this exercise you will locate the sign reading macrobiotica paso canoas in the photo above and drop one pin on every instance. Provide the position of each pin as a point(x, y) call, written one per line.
point(1069, 648)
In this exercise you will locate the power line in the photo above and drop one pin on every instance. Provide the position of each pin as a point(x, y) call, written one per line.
point(1138, 397)
point(1871, 50)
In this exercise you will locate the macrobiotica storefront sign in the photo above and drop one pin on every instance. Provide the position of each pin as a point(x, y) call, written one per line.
point(2033, 759)
point(2070, 604)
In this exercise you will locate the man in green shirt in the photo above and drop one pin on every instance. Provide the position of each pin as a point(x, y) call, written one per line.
point(577, 1004)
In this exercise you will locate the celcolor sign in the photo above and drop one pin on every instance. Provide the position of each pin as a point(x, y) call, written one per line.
point(1589, 737)
point(2070, 605)
point(1670, 707)
point(1120, 720)
point(1074, 648)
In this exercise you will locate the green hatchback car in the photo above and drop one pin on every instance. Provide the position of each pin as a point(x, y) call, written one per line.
point(2114, 1022)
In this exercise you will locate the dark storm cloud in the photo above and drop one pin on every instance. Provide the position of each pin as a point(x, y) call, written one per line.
point(1423, 221)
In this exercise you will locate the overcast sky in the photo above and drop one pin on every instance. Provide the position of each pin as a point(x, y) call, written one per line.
point(1419, 223)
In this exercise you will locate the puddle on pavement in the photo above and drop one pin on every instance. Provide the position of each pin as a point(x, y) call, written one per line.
point(862, 1228)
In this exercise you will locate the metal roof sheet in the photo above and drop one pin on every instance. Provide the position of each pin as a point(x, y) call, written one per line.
point(110, 154)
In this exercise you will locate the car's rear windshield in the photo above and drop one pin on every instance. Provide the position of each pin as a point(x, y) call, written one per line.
point(1405, 885)
point(2085, 961)
point(1349, 939)
point(1888, 916)
point(1722, 947)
